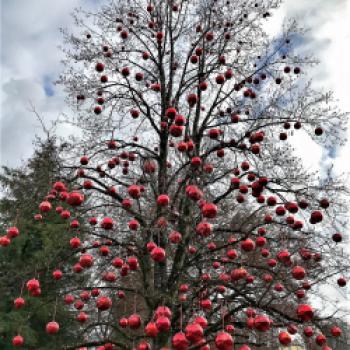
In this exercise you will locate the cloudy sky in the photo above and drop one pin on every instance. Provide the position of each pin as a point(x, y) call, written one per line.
point(30, 62)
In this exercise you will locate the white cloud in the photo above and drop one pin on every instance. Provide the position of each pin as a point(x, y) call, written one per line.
point(30, 61)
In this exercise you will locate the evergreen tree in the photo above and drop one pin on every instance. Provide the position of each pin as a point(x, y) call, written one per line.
point(38, 249)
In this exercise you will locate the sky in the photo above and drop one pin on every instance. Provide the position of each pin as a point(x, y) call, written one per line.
point(30, 63)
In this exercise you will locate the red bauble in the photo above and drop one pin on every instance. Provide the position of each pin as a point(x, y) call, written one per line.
point(305, 312)
point(134, 191)
point(107, 223)
point(151, 330)
point(194, 332)
point(162, 311)
point(75, 199)
point(103, 303)
point(45, 206)
point(163, 324)
point(33, 285)
point(341, 282)
point(86, 260)
point(209, 210)
point(284, 338)
point(204, 229)
point(320, 340)
point(175, 237)
point(18, 340)
point(163, 200)
point(336, 331)
point(248, 245)
point(19, 303)
point(224, 341)
point(134, 321)
point(57, 274)
point(52, 327)
point(298, 272)
point(4, 241)
point(158, 254)
point(202, 321)
point(12, 232)
point(179, 341)
point(262, 323)
point(75, 242)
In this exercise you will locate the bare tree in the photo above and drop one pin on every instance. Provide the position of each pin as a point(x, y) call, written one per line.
point(205, 227)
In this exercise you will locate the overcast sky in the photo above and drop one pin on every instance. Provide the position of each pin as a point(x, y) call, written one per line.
point(30, 62)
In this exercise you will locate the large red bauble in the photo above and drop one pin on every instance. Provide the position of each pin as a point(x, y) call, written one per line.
point(75, 198)
point(33, 285)
point(206, 304)
point(179, 341)
point(316, 217)
point(238, 274)
point(298, 272)
point(196, 162)
point(158, 254)
point(134, 321)
point(107, 223)
point(248, 245)
point(86, 260)
point(133, 224)
point(284, 338)
point(336, 331)
point(262, 323)
point(204, 229)
point(12, 232)
point(163, 200)
point(260, 241)
point(163, 324)
point(57, 274)
point(305, 312)
point(142, 346)
point(52, 327)
point(171, 112)
point(209, 210)
point(123, 322)
point(162, 311)
point(103, 303)
point(320, 340)
point(18, 340)
point(134, 191)
point(4, 241)
point(69, 299)
point(151, 330)
point(75, 242)
point(19, 303)
point(202, 321)
point(308, 331)
point(45, 206)
point(176, 130)
point(175, 237)
point(194, 332)
point(224, 341)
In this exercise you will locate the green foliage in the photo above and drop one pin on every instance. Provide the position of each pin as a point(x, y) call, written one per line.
point(40, 248)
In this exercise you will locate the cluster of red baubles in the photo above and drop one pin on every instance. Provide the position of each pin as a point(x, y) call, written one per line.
point(192, 334)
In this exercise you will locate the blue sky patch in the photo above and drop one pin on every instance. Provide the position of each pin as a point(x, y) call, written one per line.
point(48, 86)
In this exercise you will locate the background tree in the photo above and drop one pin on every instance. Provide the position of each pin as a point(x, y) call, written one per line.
point(38, 249)
point(205, 229)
